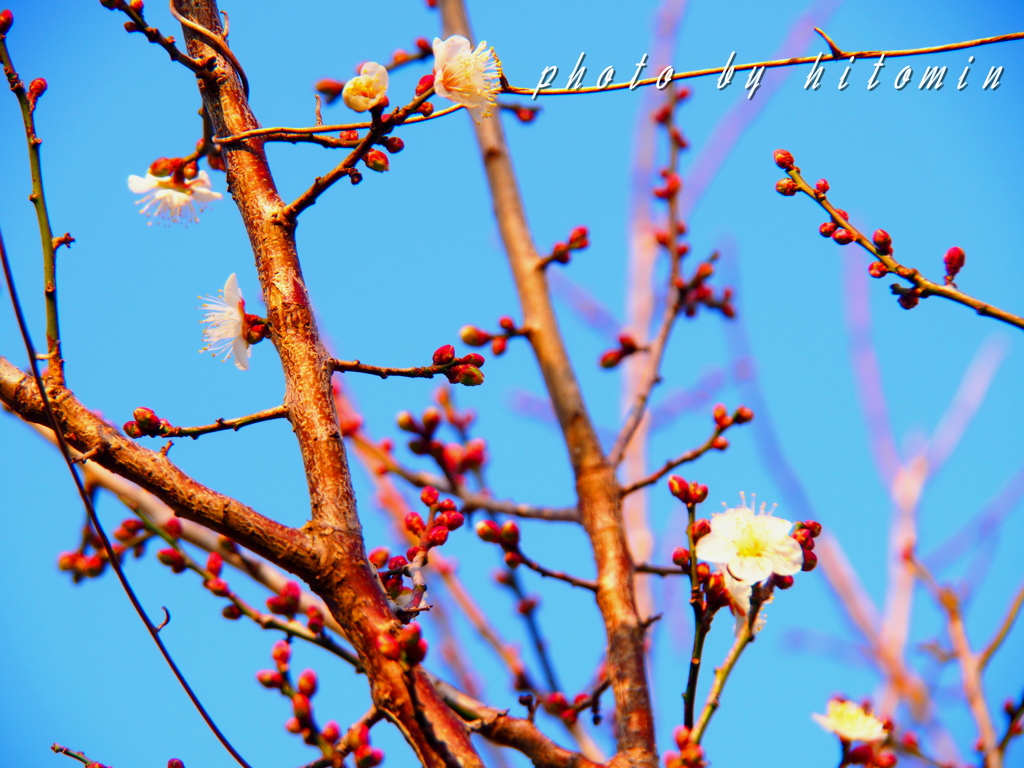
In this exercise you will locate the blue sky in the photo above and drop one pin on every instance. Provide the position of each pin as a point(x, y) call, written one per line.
point(399, 263)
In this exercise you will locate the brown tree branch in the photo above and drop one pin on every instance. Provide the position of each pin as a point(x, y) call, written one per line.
point(597, 488)
point(85, 432)
point(342, 575)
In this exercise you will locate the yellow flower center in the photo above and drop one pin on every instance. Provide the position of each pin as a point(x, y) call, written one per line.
point(748, 543)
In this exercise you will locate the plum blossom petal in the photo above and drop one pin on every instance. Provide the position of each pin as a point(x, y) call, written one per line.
point(470, 77)
point(226, 329)
point(173, 197)
point(751, 546)
point(850, 722)
point(366, 90)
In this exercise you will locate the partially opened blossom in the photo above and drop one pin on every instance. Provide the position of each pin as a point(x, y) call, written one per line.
point(173, 196)
point(466, 76)
point(226, 329)
point(751, 546)
point(850, 722)
point(366, 90)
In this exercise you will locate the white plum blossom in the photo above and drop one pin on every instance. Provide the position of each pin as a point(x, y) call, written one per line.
point(173, 196)
point(751, 546)
point(466, 76)
point(226, 329)
point(367, 89)
point(850, 722)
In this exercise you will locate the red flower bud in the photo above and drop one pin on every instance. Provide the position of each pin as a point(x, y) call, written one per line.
point(611, 358)
point(425, 84)
point(214, 563)
point(412, 553)
point(954, 261)
point(507, 323)
point(431, 418)
point(376, 161)
point(681, 557)
point(307, 682)
point(782, 582)
point(513, 559)
point(810, 561)
point(474, 359)
point(217, 586)
point(909, 300)
point(719, 443)
point(527, 605)
point(813, 526)
point(378, 557)
point(721, 416)
point(173, 762)
point(231, 612)
point(703, 572)
point(393, 144)
point(331, 732)
point(173, 558)
point(414, 523)
point(828, 229)
point(367, 756)
point(510, 533)
point(843, 236)
point(148, 420)
point(281, 653)
point(173, 527)
point(474, 336)
point(821, 187)
point(6, 21)
point(784, 159)
point(36, 88)
point(437, 535)
point(579, 238)
point(743, 415)
point(292, 725)
point(301, 706)
point(467, 375)
point(270, 678)
point(882, 241)
point(786, 187)
point(877, 269)
point(330, 89)
point(803, 538)
point(132, 429)
point(489, 531)
point(444, 355)
point(498, 345)
point(454, 520)
point(701, 528)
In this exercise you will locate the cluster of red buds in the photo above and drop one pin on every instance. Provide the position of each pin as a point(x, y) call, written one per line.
point(147, 424)
point(358, 742)
point(805, 533)
point(399, 57)
point(463, 370)
point(673, 183)
point(443, 517)
point(477, 337)
point(506, 535)
point(690, 754)
point(454, 458)
point(557, 704)
point(696, 292)
point(627, 346)
point(300, 694)
point(408, 646)
point(579, 239)
point(286, 602)
point(872, 755)
point(90, 560)
point(664, 115)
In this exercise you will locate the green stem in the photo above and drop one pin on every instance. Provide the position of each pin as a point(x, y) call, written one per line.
point(699, 627)
point(744, 639)
point(56, 370)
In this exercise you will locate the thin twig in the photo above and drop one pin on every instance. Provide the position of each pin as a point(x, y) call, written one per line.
point(690, 455)
point(28, 101)
point(167, 43)
point(533, 565)
point(279, 412)
point(115, 563)
point(1004, 629)
point(922, 285)
point(420, 372)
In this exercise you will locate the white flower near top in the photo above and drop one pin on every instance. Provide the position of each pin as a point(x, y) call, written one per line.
point(367, 89)
point(226, 327)
point(466, 76)
point(751, 546)
point(173, 196)
point(850, 722)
